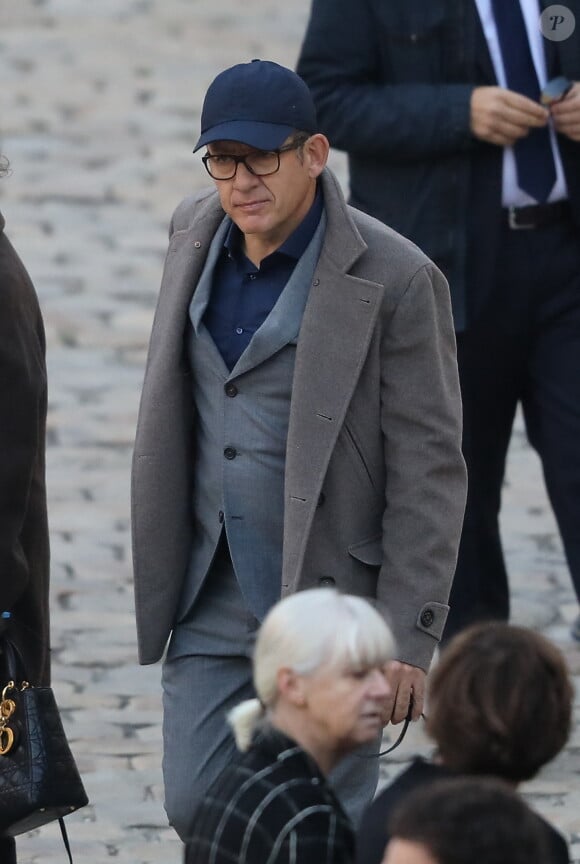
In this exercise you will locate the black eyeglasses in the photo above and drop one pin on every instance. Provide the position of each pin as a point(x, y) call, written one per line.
point(222, 166)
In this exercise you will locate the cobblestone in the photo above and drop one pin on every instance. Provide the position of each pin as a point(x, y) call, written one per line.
point(99, 109)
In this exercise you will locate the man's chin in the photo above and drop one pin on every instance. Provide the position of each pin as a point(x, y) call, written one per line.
point(250, 223)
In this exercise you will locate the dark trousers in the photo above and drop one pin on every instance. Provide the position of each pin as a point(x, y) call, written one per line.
point(525, 347)
point(7, 850)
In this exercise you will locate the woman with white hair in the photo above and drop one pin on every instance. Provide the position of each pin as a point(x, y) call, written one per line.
point(319, 674)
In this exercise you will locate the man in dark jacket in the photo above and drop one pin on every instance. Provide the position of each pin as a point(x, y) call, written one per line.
point(24, 549)
point(438, 106)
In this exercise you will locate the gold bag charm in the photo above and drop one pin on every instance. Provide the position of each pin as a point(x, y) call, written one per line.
point(6, 740)
point(7, 709)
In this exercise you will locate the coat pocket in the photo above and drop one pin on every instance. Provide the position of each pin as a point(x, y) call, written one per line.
point(369, 551)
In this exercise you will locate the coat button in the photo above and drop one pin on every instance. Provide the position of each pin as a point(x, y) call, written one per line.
point(231, 390)
point(221, 516)
point(197, 244)
point(427, 617)
point(326, 581)
point(230, 452)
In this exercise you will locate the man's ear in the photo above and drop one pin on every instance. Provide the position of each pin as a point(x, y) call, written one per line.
point(316, 151)
point(290, 686)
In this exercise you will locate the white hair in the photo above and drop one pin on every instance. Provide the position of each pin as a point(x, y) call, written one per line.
point(305, 631)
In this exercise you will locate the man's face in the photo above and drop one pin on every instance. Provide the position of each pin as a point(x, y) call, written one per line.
point(268, 209)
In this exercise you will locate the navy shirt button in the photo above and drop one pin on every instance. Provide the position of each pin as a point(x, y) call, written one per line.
point(231, 390)
point(239, 330)
point(427, 617)
point(230, 452)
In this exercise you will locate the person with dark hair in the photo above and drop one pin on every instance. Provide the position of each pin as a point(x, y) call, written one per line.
point(320, 676)
point(24, 545)
point(466, 820)
point(299, 427)
point(500, 703)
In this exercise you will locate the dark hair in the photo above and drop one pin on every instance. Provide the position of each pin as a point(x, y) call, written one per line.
point(500, 702)
point(299, 137)
point(467, 819)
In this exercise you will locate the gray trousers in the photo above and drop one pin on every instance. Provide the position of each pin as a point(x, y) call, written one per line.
point(207, 671)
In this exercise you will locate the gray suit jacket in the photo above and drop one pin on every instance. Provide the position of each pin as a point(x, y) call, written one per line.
point(375, 481)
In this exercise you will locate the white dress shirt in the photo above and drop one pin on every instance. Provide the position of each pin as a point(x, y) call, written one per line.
point(512, 195)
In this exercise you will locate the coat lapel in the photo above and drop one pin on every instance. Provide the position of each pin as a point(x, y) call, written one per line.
point(186, 257)
point(334, 339)
point(562, 57)
point(485, 72)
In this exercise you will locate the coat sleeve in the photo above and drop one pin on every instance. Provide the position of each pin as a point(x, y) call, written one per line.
point(426, 478)
point(22, 394)
point(360, 110)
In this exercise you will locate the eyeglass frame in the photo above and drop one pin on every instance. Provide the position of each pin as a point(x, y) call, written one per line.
point(295, 145)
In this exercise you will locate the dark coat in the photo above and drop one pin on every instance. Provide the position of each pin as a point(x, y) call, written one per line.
point(373, 833)
point(24, 548)
point(392, 84)
point(271, 806)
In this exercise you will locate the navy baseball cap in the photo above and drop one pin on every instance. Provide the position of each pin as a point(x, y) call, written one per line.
point(258, 103)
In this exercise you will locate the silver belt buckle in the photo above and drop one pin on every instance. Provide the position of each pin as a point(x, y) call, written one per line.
point(512, 221)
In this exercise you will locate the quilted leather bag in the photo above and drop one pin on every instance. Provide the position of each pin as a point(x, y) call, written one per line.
point(39, 780)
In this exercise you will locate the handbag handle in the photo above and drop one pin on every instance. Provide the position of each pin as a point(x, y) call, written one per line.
point(65, 839)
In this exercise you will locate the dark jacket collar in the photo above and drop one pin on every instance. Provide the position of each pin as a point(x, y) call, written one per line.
point(279, 747)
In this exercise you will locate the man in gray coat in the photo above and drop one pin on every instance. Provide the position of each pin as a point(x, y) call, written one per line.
point(299, 426)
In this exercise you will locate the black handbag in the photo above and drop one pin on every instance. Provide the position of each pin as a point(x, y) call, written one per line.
point(39, 780)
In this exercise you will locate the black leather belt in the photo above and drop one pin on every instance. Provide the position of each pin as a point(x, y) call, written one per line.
point(536, 216)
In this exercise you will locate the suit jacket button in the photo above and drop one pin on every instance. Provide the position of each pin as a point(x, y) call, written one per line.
point(230, 452)
point(326, 581)
point(231, 390)
point(427, 617)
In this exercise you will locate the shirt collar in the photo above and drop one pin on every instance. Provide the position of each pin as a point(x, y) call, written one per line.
point(295, 245)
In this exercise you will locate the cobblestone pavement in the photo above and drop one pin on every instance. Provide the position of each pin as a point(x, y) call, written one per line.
point(99, 108)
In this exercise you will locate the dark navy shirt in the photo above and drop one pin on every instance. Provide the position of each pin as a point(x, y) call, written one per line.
point(243, 295)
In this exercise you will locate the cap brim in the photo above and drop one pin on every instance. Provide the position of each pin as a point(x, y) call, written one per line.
point(263, 136)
